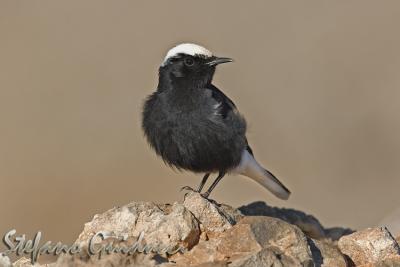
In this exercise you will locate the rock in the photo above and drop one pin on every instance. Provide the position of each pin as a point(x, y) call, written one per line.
point(213, 234)
point(253, 241)
point(285, 239)
point(212, 216)
point(4, 261)
point(220, 248)
point(25, 262)
point(137, 260)
point(163, 225)
point(390, 261)
point(233, 214)
point(371, 245)
point(264, 257)
point(307, 223)
point(215, 264)
point(326, 254)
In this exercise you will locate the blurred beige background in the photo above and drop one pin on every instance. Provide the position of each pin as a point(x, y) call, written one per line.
point(318, 82)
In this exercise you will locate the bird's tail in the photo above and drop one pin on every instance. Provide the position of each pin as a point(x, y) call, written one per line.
point(252, 169)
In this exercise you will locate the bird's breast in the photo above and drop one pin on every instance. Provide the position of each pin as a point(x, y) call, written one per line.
point(188, 137)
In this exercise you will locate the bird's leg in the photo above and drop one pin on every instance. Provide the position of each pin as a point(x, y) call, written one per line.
point(203, 182)
point(214, 184)
point(201, 185)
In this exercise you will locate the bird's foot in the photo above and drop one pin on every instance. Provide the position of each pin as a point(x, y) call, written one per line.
point(188, 188)
point(205, 195)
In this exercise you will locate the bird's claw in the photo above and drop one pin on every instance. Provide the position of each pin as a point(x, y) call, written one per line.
point(187, 188)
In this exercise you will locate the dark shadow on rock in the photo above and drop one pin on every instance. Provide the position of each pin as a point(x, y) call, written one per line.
point(350, 263)
point(335, 233)
point(159, 259)
point(316, 253)
point(307, 223)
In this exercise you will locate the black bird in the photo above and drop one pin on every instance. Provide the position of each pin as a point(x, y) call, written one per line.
point(193, 126)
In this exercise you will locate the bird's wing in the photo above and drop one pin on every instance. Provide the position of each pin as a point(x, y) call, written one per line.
point(224, 104)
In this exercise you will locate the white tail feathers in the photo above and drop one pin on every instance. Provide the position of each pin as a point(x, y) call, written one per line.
point(251, 168)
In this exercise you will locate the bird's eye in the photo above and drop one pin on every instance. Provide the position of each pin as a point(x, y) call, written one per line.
point(189, 61)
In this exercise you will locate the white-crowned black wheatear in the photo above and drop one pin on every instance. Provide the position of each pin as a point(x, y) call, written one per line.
point(193, 126)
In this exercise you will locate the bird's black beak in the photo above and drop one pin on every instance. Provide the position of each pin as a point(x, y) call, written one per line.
point(218, 60)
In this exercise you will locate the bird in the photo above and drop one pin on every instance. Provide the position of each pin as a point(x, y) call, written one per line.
point(192, 125)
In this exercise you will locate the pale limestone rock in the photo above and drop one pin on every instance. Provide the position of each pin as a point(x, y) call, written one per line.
point(163, 225)
point(284, 239)
point(212, 216)
point(219, 235)
point(389, 261)
point(371, 245)
point(25, 262)
point(264, 257)
point(137, 260)
point(253, 241)
point(4, 261)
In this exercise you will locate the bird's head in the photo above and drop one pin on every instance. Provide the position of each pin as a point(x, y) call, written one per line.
point(190, 63)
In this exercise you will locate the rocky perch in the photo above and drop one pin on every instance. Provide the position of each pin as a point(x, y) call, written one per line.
point(206, 233)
